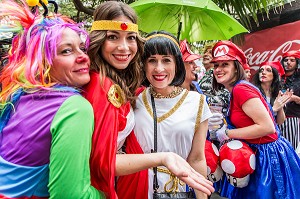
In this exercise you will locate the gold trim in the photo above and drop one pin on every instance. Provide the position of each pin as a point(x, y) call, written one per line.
point(200, 110)
point(114, 25)
point(173, 179)
point(116, 96)
point(170, 112)
point(163, 35)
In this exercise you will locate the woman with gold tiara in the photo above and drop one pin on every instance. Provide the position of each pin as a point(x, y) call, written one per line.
point(115, 52)
point(45, 124)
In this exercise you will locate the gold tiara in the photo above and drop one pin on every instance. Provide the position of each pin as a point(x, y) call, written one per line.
point(114, 25)
point(163, 35)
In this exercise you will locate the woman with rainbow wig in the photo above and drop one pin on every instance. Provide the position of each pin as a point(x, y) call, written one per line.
point(45, 124)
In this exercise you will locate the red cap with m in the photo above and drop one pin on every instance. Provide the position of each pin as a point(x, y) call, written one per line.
point(226, 50)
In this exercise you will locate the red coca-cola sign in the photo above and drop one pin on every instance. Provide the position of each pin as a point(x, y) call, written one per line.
point(270, 44)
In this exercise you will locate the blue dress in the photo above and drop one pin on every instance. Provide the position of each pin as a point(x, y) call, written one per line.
point(277, 173)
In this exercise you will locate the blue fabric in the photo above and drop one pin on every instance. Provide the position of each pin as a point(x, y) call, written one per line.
point(198, 89)
point(277, 173)
point(26, 177)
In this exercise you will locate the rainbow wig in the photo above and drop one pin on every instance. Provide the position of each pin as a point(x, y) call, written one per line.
point(33, 48)
point(31, 54)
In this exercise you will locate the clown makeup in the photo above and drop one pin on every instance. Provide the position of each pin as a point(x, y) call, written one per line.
point(119, 47)
point(265, 74)
point(71, 64)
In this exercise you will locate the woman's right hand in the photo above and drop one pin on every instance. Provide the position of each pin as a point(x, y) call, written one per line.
point(182, 169)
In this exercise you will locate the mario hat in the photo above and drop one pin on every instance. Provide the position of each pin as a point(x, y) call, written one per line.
point(292, 53)
point(187, 54)
point(274, 64)
point(226, 50)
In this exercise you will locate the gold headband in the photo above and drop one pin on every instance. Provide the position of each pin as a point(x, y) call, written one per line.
point(114, 25)
point(163, 35)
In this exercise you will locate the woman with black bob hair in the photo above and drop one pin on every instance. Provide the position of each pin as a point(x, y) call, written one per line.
point(181, 115)
point(165, 46)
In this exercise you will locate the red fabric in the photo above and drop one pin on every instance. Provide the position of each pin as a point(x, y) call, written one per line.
point(275, 64)
point(33, 197)
point(226, 50)
point(241, 93)
point(108, 121)
point(136, 184)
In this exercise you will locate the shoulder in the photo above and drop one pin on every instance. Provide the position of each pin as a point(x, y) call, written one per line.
point(77, 104)
point(243, 92)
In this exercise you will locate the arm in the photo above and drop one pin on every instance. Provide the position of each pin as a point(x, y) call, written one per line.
point(196, 157)
point(263, 124)
point(130, 163)
point(69, 172)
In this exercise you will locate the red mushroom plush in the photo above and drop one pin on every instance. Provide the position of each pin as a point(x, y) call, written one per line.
point(214, 171)
point(238, 162)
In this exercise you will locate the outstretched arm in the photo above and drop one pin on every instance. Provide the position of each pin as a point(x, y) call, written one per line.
point(131, 163)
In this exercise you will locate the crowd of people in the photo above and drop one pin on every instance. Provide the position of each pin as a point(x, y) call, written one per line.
point(112, 114)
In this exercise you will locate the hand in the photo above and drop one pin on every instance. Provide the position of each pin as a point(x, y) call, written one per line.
point(182, 169)
point(281, 100)
point(216, 121)
point(221, 134)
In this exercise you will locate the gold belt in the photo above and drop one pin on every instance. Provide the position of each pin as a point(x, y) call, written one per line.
point(173, 179)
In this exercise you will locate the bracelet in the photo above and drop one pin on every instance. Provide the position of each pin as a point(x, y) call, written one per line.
point(226, 132)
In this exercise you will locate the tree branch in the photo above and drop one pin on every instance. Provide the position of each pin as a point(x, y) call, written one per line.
point(81, 8)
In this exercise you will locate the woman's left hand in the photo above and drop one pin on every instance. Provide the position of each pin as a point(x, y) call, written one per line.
point(281, 100)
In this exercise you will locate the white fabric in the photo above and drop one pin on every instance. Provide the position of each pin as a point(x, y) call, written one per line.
point(127, 130)
point(174, 134)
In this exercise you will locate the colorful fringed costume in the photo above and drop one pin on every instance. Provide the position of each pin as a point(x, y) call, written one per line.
point(45, 127)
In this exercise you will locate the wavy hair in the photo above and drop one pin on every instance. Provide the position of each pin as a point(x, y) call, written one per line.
point(275, 85)
point(130, 78)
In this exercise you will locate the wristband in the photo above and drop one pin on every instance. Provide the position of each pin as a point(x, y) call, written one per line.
point(226, 132)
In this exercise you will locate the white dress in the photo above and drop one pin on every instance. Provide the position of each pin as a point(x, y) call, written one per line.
point(175, 127)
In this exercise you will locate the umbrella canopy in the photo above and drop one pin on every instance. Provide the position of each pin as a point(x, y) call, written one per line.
point(194, 20)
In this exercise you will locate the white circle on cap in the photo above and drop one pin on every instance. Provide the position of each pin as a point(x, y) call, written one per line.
point(235, 144)
point(221, 51)
point(228, 166)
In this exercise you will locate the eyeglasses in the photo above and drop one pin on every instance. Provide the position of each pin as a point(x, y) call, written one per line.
point(291, 60)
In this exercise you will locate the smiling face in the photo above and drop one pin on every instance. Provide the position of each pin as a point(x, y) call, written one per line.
point(71, 64)
point(119, 47)
point(225, 73)
point(160, 72)
point(190, 68)
point(247, 74)
point(265, 74)
point(207, 57)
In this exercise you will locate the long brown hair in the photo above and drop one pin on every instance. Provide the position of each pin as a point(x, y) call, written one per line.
point(130, 78)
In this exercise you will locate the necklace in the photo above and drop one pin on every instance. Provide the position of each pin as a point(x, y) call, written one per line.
point(173, 94)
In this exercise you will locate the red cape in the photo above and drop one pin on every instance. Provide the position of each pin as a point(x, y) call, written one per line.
point(109, 120)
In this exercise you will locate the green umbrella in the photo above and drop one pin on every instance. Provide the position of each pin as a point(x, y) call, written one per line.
point(194, 20)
